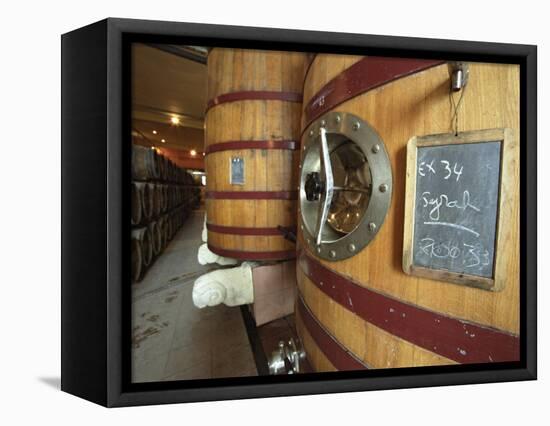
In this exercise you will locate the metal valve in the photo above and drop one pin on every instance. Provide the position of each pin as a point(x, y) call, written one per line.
point(286, 359)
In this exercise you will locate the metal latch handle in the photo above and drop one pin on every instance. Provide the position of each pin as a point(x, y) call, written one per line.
point(328, 189)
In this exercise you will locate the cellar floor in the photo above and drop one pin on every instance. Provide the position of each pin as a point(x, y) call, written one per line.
point(171, 338)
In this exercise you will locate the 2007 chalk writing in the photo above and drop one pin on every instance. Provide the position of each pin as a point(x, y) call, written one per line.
point(473, 254)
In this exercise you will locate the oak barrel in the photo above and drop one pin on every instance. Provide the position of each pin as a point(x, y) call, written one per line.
point(251, 144)
point(136, 204)
point(162, 231)
point(145, 196)
point(364, 311)
point(157, 199)
point(136, 267)
point(164, 198)
point(156, 238)
point(145, 163)
point(143, 237)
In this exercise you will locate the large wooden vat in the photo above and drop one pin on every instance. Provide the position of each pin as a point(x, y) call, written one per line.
point(364, 311)
point(252, 119)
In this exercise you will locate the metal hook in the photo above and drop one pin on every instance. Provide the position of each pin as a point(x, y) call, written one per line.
point(460, 73)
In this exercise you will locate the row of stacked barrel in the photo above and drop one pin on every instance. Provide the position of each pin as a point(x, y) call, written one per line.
point(150, 200)
point(163, 194)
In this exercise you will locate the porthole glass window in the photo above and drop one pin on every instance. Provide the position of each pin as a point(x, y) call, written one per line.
point(352, 187)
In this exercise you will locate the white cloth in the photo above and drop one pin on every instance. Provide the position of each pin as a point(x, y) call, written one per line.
point(205, 257)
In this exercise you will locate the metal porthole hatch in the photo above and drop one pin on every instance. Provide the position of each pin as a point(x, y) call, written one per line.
point(345, 185)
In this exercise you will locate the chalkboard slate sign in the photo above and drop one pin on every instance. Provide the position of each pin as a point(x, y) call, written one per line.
point(456, 207)
point(453, 206)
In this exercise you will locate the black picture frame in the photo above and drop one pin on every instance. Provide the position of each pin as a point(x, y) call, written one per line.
point(95, 203)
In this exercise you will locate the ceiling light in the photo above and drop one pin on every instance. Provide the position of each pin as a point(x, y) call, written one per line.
point(154, 132)
point(163, 140)
point(193, 152)
point(175, 120)
point(152, 147)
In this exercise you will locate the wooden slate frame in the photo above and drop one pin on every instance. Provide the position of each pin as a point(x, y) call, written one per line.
point(509, 174)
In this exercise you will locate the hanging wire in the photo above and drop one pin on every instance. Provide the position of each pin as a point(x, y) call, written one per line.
point(456, 106)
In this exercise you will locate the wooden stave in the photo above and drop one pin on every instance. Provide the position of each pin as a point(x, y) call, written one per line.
point(410, 354)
